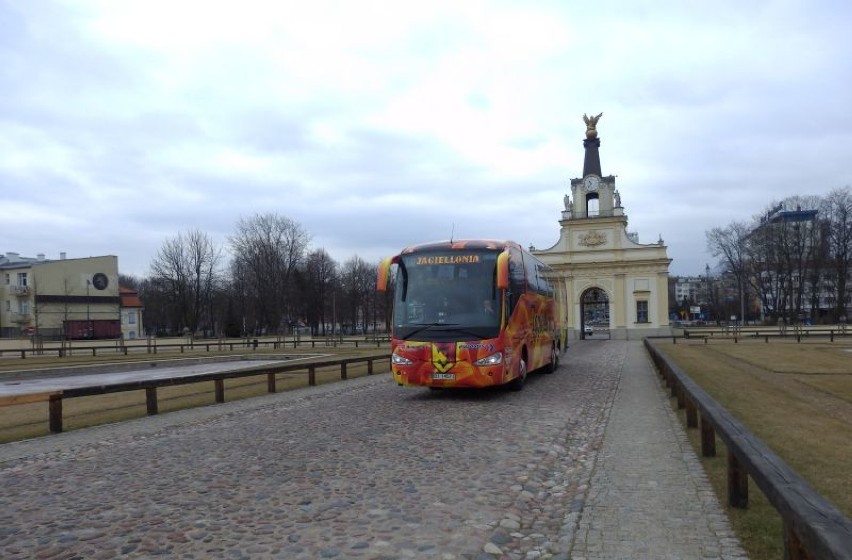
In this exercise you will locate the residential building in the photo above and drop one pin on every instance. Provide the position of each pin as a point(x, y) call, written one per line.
point(131, 314)
point(791, 271)
point(70, 298)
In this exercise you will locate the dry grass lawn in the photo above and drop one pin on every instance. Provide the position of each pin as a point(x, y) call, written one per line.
point(797, 398)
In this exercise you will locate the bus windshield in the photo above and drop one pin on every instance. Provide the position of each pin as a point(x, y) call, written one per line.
point(447, 295)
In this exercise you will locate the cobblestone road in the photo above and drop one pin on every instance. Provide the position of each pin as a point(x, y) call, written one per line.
point(359, 469)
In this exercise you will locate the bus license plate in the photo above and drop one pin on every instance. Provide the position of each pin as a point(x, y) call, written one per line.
point(443, 376)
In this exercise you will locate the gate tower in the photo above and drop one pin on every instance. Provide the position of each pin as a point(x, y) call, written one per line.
point(606, 279)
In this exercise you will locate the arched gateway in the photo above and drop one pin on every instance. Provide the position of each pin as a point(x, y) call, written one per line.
point(595, 257)
point(594, 312)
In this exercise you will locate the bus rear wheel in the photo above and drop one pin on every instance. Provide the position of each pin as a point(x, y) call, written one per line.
point(518, 383)
point(554, 360)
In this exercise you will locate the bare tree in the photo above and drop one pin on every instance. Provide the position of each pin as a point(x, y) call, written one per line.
point(785, 256)
point(267, 249)
point(358, 281)
point(156, 316)
point(730, 244)
point(837, 211)
point(765, 268)
point(128, 281)
point(187, 270)
point(799, 246)
point(319, 279)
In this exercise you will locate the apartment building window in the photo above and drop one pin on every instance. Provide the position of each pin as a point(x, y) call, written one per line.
point(641, 311)
point(7, 279)
point(131, 317)
point(22, 279)
point(24, 307)
point(8, 305)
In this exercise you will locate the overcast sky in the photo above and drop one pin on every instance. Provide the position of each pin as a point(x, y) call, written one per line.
point(376, 125)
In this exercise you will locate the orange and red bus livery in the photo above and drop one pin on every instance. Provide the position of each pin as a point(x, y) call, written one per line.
point(470, 313)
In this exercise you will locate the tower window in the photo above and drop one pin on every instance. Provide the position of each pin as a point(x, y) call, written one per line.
point(593, 204)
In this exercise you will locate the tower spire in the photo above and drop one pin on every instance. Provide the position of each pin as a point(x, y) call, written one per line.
point(592, 161)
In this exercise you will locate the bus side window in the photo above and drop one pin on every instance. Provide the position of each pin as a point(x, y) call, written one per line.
point(544, 280)
point(532, 274)
point(517, 279)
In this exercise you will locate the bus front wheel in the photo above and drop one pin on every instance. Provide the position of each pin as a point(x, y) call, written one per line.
point(518, 383)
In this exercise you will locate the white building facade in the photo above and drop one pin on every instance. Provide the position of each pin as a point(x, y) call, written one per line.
point(608, 282)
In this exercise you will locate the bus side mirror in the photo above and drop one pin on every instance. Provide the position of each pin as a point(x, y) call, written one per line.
point(383, 276)
point(503, 271)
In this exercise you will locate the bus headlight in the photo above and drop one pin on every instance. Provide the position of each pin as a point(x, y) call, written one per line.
point(398, 360)
point(492, 360)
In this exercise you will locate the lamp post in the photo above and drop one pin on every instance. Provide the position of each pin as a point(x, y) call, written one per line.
point(88, 317)
point(709, 294)
point(742, 302)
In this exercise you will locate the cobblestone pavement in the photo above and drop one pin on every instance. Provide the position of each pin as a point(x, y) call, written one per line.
point(365, 469)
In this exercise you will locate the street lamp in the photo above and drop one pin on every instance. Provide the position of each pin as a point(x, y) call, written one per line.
point(88, 317)
point(710, 298)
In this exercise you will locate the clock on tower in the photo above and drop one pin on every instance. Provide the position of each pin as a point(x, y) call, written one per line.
point(591, 182)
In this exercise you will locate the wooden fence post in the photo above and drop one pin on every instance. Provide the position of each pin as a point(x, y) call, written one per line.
point(708, 438)
point(370, 366)
point(691, 414)
point(793, 549)
point(55, 411)
point(151, 400)
point(737, 482)
point(312, 375)
point(343, 370)
point(219, 388)
point(270, 382)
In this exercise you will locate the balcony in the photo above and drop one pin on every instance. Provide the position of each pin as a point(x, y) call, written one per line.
point(20, 291)
point(21, 317)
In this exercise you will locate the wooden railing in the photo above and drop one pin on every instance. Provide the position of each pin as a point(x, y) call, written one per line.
point(813, 528)
point(153, 347)
point(765, 333)
point(55, 398)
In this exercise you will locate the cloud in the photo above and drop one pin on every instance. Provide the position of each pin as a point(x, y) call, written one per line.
point(381, 124)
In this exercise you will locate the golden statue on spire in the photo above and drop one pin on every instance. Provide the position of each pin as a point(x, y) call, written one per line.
point(591, 122)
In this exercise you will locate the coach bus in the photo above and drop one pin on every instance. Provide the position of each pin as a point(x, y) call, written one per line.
point(472, 313)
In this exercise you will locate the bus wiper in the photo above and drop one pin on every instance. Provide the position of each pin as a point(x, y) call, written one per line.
point(458, 330)
point(423, 327)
